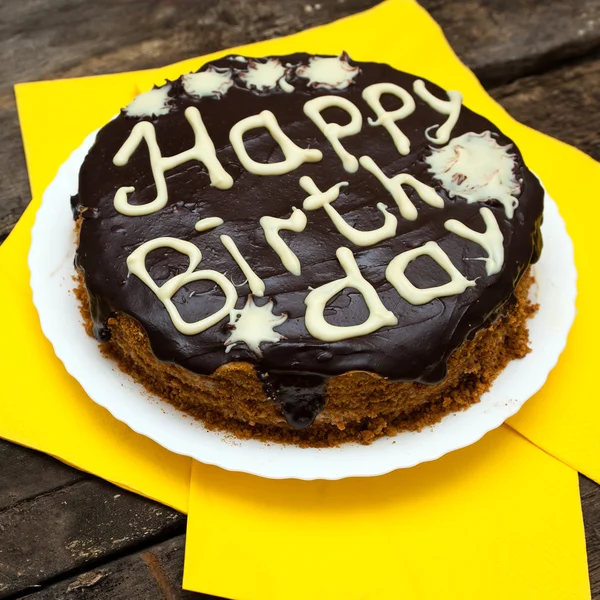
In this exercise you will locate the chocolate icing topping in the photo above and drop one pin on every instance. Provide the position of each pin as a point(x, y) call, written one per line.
point(416, 349)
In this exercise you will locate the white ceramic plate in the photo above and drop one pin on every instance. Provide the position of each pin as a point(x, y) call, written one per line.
point(51, 264)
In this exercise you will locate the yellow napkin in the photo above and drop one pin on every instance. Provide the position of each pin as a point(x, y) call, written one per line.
point(474, 522)
point(500, 520)
point(42, 405)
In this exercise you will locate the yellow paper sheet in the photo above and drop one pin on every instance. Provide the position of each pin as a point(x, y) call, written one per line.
point(42, 406)
point(500, 520)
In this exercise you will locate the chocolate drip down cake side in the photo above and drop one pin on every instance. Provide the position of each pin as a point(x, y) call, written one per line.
point(307, 249)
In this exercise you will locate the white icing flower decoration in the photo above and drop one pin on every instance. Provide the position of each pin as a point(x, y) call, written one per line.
point(154, 102)
point(335, 73)
point(212, 83)
point(475, 167)
point(253, 325)
point(267, 75)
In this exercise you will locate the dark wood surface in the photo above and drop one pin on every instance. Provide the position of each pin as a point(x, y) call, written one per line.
point(66, 534)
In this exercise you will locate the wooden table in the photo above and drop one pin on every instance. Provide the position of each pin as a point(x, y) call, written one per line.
point(67, 534)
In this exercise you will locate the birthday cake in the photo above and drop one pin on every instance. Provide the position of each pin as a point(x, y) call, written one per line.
point(307, 249)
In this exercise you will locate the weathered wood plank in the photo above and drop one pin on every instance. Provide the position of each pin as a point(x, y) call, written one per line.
point(25, 474)
point(590, 501)
point(14, 185)
point(501, 40)
point(155, 573)
point(117, 35)
point(562, 103)
point(76, 526)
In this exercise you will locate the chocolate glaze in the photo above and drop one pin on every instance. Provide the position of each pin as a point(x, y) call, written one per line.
point(301, 395)
point(416, 349)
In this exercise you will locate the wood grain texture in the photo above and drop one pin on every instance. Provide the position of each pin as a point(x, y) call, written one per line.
point(87, 38)
point(562, 102)
point(25, 474)
point(76, 527)
point(152, 573)
point(501, 40)
point(590, 502)
point(14, 185)
point(43, 39)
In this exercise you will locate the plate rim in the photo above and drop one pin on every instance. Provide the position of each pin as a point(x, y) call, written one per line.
point(67, 175)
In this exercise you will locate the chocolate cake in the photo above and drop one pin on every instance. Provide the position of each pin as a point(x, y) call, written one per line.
point(307, 249)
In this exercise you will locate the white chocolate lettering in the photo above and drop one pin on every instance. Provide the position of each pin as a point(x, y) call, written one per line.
point(395, 275)
point(394, 186)
point(253, 325)
point(472, 166)
point(257, 285)
point(450, 107)
point(154, 102)
point(492, 240)
point(334, 73)
point(272, 226)
point(319, 199)
point(212, 83)
point(365, 238)
point(387, 119)
point(267, 75)
point(316, 301)
point(136, 263)
point(294, 155)
point(333, 131)
point(203, 151)
point(208, 223)
point(475, 167)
